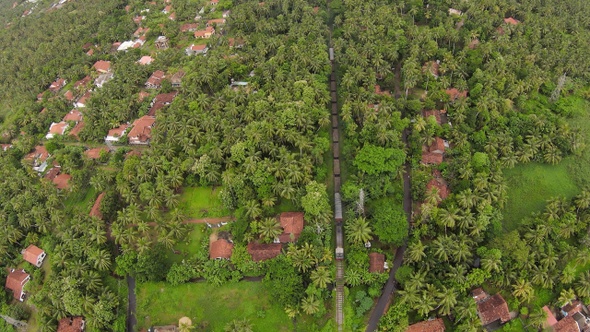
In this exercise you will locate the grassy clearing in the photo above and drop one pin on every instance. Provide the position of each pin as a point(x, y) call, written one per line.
point(210, 307)
point(201, 202)
point(190, 246)
point(530, 185)
point(82, 201)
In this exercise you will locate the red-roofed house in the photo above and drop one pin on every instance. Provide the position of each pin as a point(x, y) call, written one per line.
point(196, 49)
point(433, 154)
point(73, 115)
point(57, 85)
point(439, 115)
point(160, 101)
point(207, 33)
point(263, 251)
point(550, 317)
point(213, 2)
point(83, 100)
point(71, 324)
point(189, 27)
point(455, 94)
point(141, 133)
point(140, 32)
point(102, 66)
point(438, 183)
point(15, 281)
point(62, 181)
point(218, 21)
point(95, 211)
point(5, 147)
point(381, 92)
point(83, 83)
point(58, 128)
point(435, 325)
point(95, 153)
point(292, 223)
point(115, 134)
point(568, 324)
point(155, 81)
point(145, 60)
point(38, 158)
point(511, 21)
point(233, 42)
point(491, 309)
point(34, 255)
point(376, 262)
point(77, 129)
point(220, 249)
point(69, 95)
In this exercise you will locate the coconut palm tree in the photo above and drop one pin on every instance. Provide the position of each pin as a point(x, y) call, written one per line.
point(269, 229)
point(523, 290)
point(321, 277)
point(310, 305)
point(358, 231)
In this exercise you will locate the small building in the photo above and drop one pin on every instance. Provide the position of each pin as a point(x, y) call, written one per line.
point(434, 325)
point(455, 12)
point(62, 181)
point(155, 81)
point(81, 103)
point(439, 115)
point(162, 43)
point(167, 9)
point(292, 224)
point(57, 85)
point(5, 147)
point(206, 34)
point(220, 249)
point(71, 324)
point(95, 153)
point(141, 31)
point(102, 79)
point(57, 128)
point(160, 101)
point(433, 154)
point(82, 84)
point(141, 133)
point(189, 27)
point(176, 79)
point(15, 281)
point(438, 183)
point(213, 2)
point(380, 92)
point(233, 42)
point(145, 60)
point(550, 317)
point(376, 262)
point(73, 115)
point(95, 211)
point(455, 94)
point(196, 49)
point(115, 134)
point(34, 255)
point(511, 21)
point(492, 310)
point(102, 66)
point(39, 158)
point(217, 21)
point(263, 251)
point(69, 95)
point(77, 129)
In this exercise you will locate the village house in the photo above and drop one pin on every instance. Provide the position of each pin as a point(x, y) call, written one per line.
point(196, 49)
point(492, 310)
point(172, 17)
point(263, 251)
point(376, 262)
point(155, 81)
point(176, 79)
point(38, 158)
point(34, 255)
point(73, 115)
point(95, 211)
point(57, 128)
point(102, 66)
point(189, 27)
point(116, 133)
point(455, 94)
point(439, 115)
point(207, 33)
point(69, 95)
point(439, 184)
point(380, 92)
point(15, 281)
point(217, 21)
point(142, 95)
point(71, 324)
point(77, 129)
point(141, 31)
point(213, 2)
point(434, 325)
point(95, 153)
point(160, 101)
point(81, 102)
point(455, 12)
point(292, 224)
point(82, 84)
point(61, 181)
point(5, 147)
point(145, 60)
point(237, 43)
point(102, 79)
point(162, 43)
point(57, 85)
point(433, 154)
point(220, 249)
point(141, 133)
point(511, 21)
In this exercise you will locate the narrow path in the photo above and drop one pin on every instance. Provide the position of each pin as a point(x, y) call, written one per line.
point(209, 220)
point(391, 284)
point(131, 305)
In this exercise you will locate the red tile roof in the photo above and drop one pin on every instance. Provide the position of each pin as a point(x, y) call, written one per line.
point(77, 129)
point(85, 98)
point(71, 324)
point(142, 129)
point(145, 60)
point(118, 132)
point(95, 153)
point(69, 95)
point(82, 83)
point(263, 251)
point(95, 211)
point(572, 308)
point(493, 308)
point(142, 95)
point(432, 158)
point(437, 145)
point(455, 94)
point(511, 20)
point(550, 317)
point(62, 181)
point(292, 223)
point(73, 115)
point(52, 173)
point(160, 101)
point(58, 84)
point(220, 249)
point(568, 324)
point(5, 147)
point(188, 27)
point(102, 66)
point(436, 325)
point(218, 21)
point(440, 184)
point(376, 262)
point(140, 31)
point(381, 92)
point(58, 128)
point(40, 154)
point(204, 33)
point(435, 113)
point(155, 79)
point(32, 253)
point(15, 282)
point(198, 47)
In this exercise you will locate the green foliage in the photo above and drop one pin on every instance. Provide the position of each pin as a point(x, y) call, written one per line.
point(148, 266)
point(181, 273)
point(315, 203)
point(374, 160)
point(389, 222)
point(363, 303)
point(283, 282)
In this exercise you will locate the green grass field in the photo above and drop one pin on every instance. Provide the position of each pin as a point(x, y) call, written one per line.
point(200, 202)
point(82, 201)
point(189, 247)
point(530, 185)
point(210, 307)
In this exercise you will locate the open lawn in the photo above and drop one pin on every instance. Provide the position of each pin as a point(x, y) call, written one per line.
point(210, 307)
point(82, 201)
point(530, 185)
point(201, 202)
point(190, 246)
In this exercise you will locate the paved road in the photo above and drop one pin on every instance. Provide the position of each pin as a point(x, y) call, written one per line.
point(391, 284)
point(131, 319)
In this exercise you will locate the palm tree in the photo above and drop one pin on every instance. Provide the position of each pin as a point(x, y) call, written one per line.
point(566, 296)
point(582, 286)
point(321, 277)
point(523, 290)
point(310, 305)
point(416, 252)
point(269, 229)
point(358, 231)
point(447, 299)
